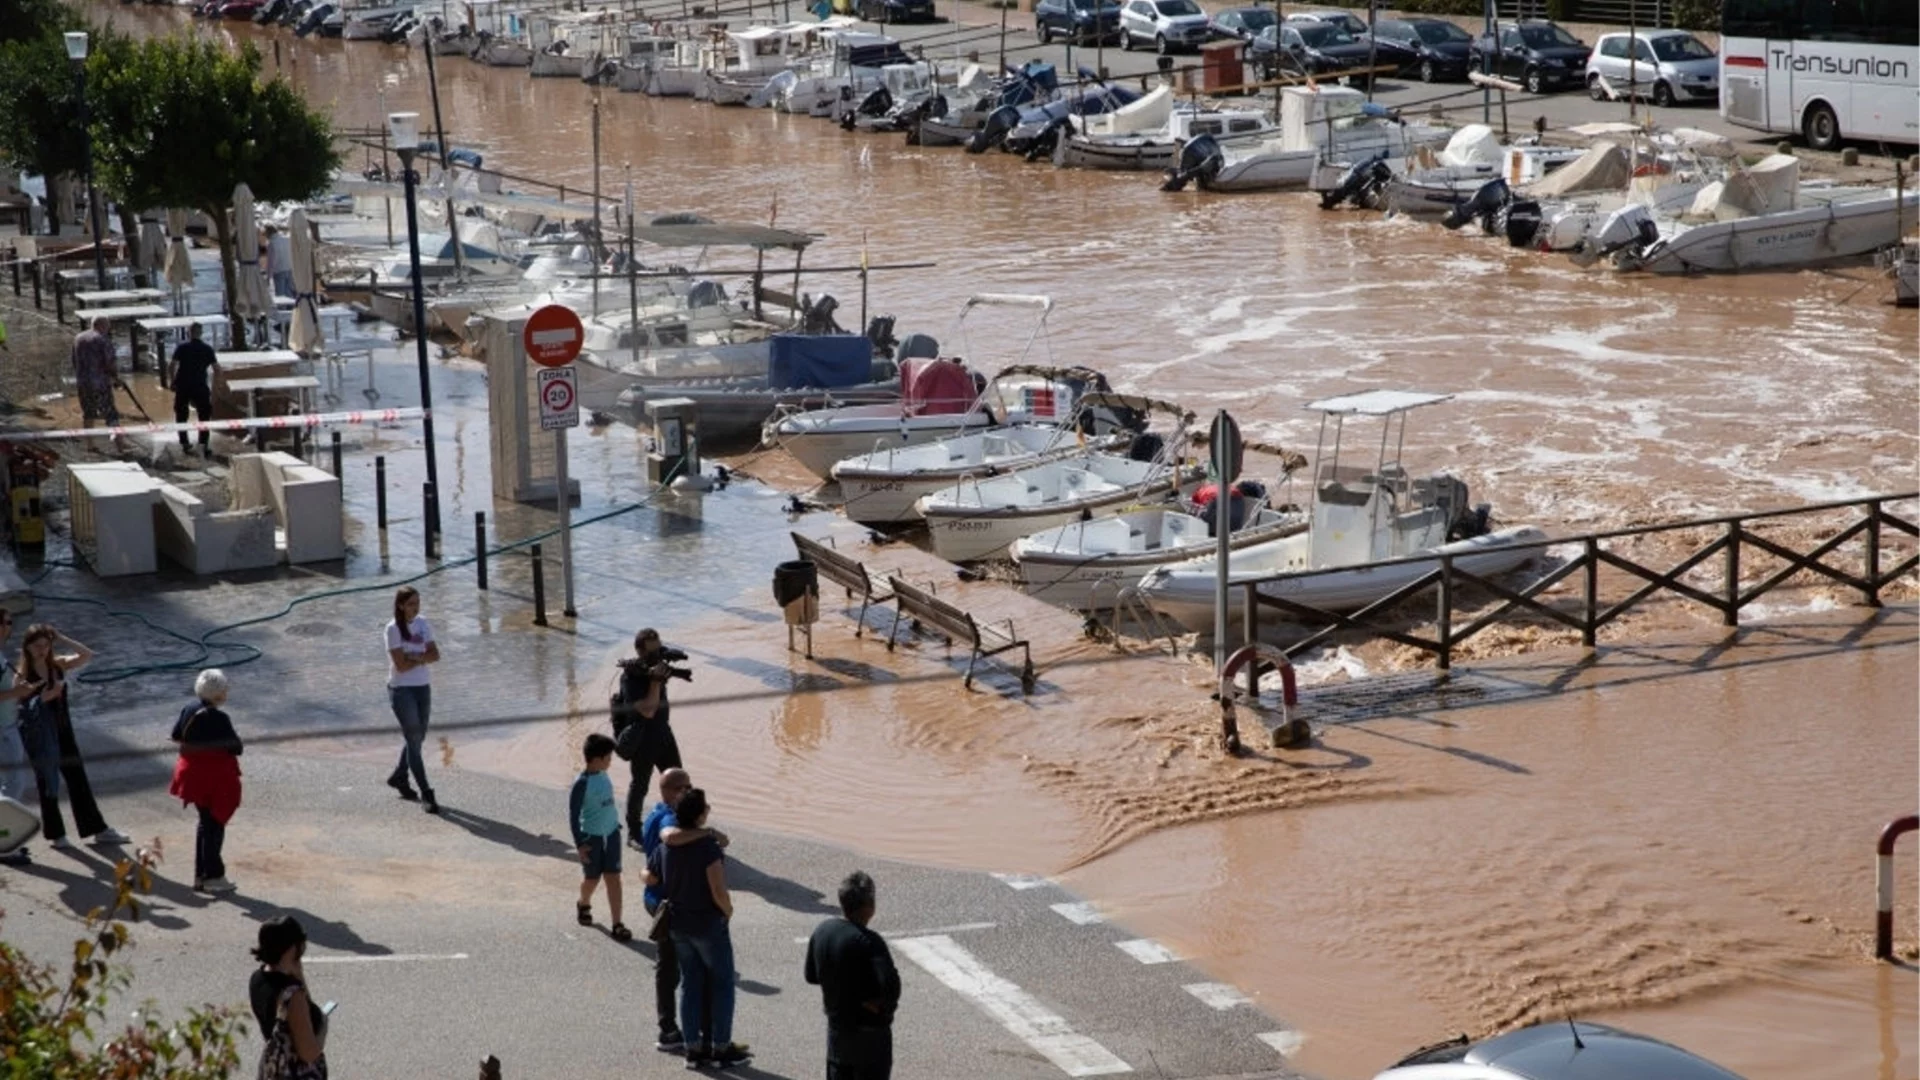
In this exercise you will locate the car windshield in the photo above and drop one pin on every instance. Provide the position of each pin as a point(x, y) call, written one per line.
point(1256, 18)
point(1439, 33)
point(1548, 37)
point(1321, 35)
point(1681, 47)
point(1089, 5)
point(1172, 8)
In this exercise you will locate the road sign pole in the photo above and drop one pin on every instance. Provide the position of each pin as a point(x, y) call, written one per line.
point(1224, 447)
point(566, 521)
point(552, 338)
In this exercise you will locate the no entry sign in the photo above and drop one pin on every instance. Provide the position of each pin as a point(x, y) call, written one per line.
point(553, 336)
point(559, 399)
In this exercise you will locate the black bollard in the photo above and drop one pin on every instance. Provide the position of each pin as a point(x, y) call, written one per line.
point(539, 590)
point(426, 518)
point(59, 301)
point(380, 491)
point(16, 273)
point(480, 547)
point(336, 455)
point(35, 275)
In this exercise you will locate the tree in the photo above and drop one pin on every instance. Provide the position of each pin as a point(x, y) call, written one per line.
point(48, 1019)
point(37, 129)
point(180, 122)
point(21, 20)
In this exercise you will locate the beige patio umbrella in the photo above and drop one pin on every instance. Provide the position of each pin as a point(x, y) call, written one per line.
point(303, 336)
point(249, 299)
point(179, 267)
point(153, 249)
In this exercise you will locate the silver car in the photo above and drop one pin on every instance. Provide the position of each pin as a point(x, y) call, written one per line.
point(1165, 24)
point(1561, 1050)
point(1668, 66)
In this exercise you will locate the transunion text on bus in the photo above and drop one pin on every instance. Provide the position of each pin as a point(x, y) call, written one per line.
point(1877, 67)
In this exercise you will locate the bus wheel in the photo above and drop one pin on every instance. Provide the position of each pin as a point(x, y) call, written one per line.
point(1821, 127)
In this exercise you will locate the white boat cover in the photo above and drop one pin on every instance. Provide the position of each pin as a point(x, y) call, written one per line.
point(1768, 187)
point(1475, 144)
point(1149, 112)
point(1604, 167)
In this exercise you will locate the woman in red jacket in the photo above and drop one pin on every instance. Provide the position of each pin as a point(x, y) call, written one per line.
point(207, 776)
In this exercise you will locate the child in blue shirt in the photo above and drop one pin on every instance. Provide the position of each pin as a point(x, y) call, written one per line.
point(595, 818)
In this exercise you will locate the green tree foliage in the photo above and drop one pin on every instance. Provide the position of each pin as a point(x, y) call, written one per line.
point(180, 122)
point(21, 20)
point(38, 128)
point(49, 1018)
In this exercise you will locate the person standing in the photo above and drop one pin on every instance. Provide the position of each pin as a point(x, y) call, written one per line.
point(859, 986)
point(193, 366)
point(46, 726)
point(662, 827)
point(207, 776)
point(279, 261)
point(16, 765)
point(294, 1027)
point(94, 372)
point(643, 701)
point(410, 648)
point(595, 819)
point(693, 880)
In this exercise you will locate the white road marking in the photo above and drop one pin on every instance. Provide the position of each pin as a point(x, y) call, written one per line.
point(1147, 952)
point(1023, 881)
point(1081, 913)
point(1286, 1042)
point(957, 928)
point(384, 958)
point(1016, 1010)
point(1221, 996)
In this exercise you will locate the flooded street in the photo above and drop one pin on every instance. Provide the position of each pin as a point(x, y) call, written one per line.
point(1676, 837)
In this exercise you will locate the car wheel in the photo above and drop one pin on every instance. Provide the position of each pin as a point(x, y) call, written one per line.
point(1126, 40)
point(1044, 32)
point(1160, 44)
point(1595, 90)
point(1663, 94)
point(1427, 74)
point(1533, 82)
point(1821, 127)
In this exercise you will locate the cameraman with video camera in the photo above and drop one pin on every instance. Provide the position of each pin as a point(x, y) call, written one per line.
point(642, 732)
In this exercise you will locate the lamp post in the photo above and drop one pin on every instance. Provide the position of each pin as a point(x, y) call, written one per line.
point(404, 130)
point(77, 54)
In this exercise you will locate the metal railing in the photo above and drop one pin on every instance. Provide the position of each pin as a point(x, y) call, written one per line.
point(1589, 614)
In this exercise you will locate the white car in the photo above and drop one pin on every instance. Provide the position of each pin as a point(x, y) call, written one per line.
point(1345, 20)
point(1666, 65)
point(1165, 24)
point(1560, 1050)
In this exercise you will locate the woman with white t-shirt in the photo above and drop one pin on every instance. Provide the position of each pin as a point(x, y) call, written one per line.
point(410, 648)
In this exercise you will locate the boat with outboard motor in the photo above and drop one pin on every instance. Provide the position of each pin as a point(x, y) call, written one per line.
point(1147, 134)
point(1085, 564)
point(1317, 125)
point(1359, 516)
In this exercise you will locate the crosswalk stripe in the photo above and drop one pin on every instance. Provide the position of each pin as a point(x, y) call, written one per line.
point(1147, 952)
point(1221, 996)
point(1080, 913)
point(1016, 1010)
point(1023, 881)
point(1286, 1042)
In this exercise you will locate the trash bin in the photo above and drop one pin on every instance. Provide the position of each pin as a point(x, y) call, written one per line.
point(1220, 66)
point(796, 589)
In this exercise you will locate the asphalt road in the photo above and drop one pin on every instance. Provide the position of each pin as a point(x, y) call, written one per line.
point(446, 940)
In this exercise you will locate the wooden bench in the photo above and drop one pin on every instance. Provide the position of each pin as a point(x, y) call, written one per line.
point(951, 622)
point(849, 574)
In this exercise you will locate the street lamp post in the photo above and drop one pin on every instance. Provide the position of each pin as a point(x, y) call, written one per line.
point(404, 130)
point(77, 54)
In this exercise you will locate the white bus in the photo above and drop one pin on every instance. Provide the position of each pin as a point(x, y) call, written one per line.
point(1824, 69)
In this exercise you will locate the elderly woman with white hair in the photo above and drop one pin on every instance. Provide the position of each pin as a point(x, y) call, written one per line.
point(207, 776)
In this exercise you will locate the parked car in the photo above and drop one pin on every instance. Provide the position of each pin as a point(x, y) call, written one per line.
point(1345, 20)
point(1560, 1050)
point(1666, 65)
point(1165, 24)
point(1313, 48)
point(1435, 49)
point(896, 11)
point(1243, 23)
point(1076, 20)
point(1538, 53)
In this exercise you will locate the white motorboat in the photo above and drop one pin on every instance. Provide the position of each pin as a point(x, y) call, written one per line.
point(939, 401)
point(1434, 184)
point(1146, 134)
point(1902, 264)
point(1327, 124)
point(1083, 565)
point(1360, 516)
point(369, 24)
point(981, 518)
point(884, 487)
point(853, 66)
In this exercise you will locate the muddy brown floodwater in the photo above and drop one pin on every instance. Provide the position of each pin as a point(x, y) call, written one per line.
point(1677, 836)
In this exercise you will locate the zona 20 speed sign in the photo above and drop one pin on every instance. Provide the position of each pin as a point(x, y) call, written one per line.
point(559, 399)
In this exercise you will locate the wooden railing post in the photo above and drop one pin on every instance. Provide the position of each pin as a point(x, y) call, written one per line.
point(1730, 615)
point(1589, 630)
point(1446, 612)
point(1872, 574)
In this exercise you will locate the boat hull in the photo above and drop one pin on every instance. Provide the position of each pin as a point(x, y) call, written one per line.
point(970, 534)
point(880, 497)
point(818, 451)
point(1136, 156)
point(546, 65)
point(1082, 582)
point(733, 411)
point(1809, 236)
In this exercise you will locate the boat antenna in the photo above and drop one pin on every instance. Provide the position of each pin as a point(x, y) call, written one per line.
point(1575, 1028)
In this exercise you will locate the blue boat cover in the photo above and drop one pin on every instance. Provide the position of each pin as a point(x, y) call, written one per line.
point(799, 361)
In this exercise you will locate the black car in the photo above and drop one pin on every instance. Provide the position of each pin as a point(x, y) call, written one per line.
point(1077, 20)
point(1433, 49)
point(1311, 47)
point(1541, 55)
point(896, 11)
point(1243, 23)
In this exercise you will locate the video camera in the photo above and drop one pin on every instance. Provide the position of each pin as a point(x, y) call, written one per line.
point(665, 658)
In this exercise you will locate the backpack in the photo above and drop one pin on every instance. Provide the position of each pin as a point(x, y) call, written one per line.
point(626, 726)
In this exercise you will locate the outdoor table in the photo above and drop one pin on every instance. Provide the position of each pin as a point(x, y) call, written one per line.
point(299, 385)
point(216, 323)
point(128, 313)
point(108, 297)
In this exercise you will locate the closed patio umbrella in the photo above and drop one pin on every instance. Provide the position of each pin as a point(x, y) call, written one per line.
point(304, 335)
point(179, 267)
point(250, 300)
point(153, 249)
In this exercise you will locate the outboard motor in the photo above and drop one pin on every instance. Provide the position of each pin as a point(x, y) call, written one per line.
point(880, 335)
point(1628, 228)
point(1199, 160)
point(916, 347)
point(1480, 206)
point(602, 73)
point(1520, 221)
point(1044, 144)
point(1362, 184)
point(877, 103)
point(1146, 446)
point(999, 122)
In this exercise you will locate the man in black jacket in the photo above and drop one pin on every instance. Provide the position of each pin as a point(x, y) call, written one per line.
point(643, 706)
point(859, 986)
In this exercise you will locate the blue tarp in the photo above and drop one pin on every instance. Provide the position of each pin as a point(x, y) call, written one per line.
point(799, 361)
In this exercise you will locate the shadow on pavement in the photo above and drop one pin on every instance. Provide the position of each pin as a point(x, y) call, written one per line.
point(777, 891)
point(499, 832)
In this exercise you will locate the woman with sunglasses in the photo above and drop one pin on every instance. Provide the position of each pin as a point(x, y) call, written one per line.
point(16, 765)
point(46, 725)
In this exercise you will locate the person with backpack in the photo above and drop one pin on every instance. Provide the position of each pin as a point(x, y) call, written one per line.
point(642, 731)
point(207, 776)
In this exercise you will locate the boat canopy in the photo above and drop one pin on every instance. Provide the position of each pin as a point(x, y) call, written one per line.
point(1376, 402)
point(1138, 403)
point(1604, 167)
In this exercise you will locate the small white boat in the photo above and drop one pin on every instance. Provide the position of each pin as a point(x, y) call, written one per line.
point(1360, 516)
point(981, 519)
point(884, 487)
point(1902, 264)
point(1434, 184)
point(1325, 125)
point(1146, 134)
point(1083, 565)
